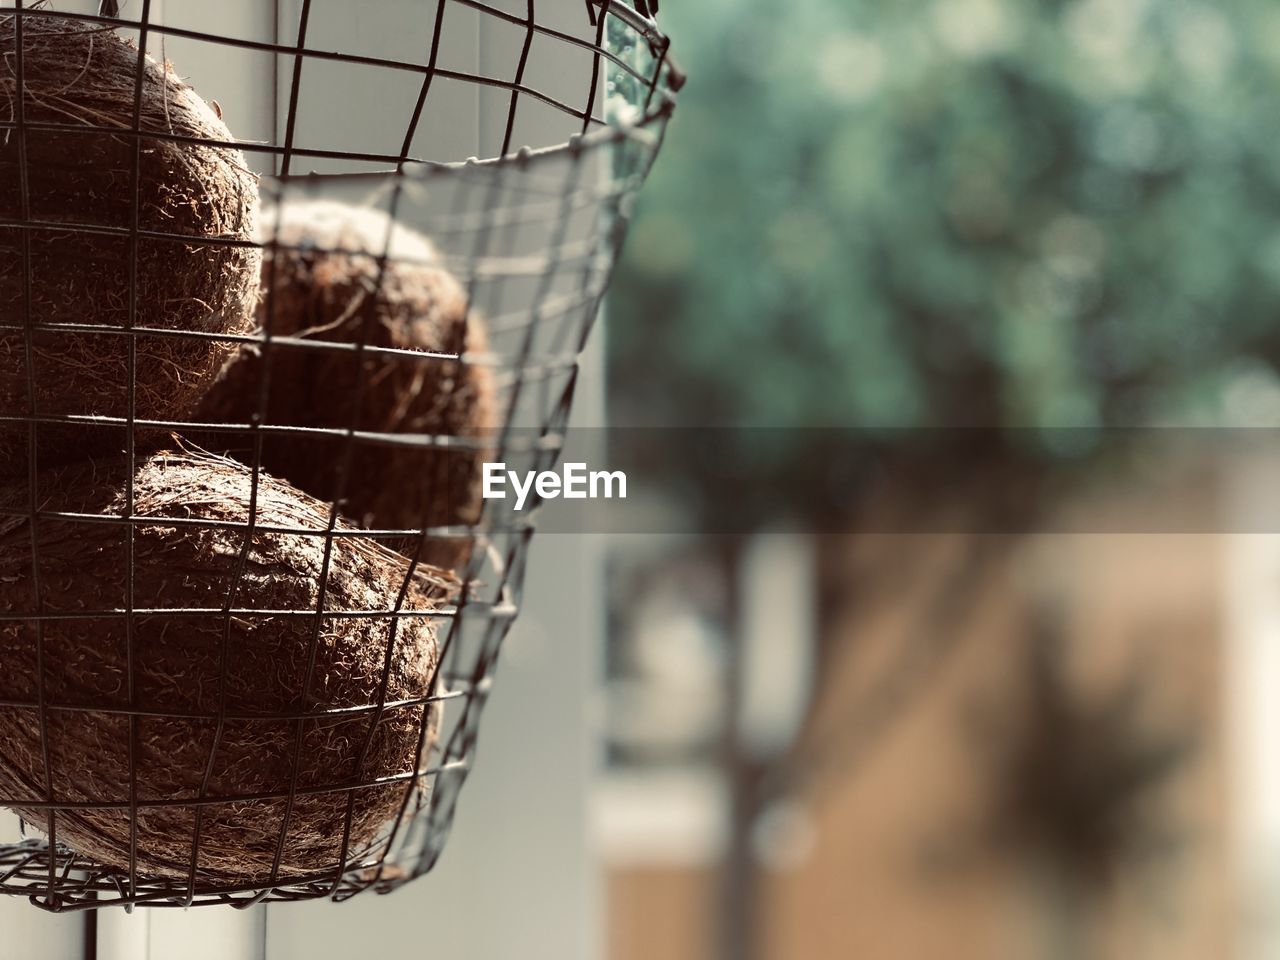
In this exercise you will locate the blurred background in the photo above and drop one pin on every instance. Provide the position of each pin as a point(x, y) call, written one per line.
point(1005, 697)
point(1015, 707)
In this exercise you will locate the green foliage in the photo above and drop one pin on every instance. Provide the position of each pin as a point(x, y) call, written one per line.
point(958, 212)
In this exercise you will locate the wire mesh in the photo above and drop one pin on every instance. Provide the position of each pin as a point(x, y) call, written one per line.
point(529, 237)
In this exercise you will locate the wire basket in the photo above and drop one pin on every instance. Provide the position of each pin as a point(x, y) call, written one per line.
point(525, 242)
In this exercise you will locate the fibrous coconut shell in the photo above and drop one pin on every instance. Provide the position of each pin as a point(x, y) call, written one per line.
point(181, 706)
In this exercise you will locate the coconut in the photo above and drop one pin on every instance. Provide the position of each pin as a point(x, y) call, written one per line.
point(326, 286)
point(217, 702)
point(75, 191)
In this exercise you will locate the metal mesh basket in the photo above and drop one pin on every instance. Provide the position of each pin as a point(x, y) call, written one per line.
point(530, 237)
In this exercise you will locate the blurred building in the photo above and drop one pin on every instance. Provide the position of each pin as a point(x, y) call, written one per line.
point(1016, 749)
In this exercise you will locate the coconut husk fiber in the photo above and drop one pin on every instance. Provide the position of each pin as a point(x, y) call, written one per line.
point(324, 289)
point(177, 662)
point(81, 77)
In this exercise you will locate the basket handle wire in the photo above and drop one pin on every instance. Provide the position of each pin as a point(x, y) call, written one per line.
point(646, 8)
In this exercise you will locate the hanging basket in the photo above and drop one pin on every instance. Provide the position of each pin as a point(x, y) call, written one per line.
point(251, 600)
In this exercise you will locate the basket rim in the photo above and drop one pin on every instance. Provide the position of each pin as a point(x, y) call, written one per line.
point(412, 169)
point(659, 107)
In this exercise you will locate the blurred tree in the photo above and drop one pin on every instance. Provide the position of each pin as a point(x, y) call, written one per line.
point(1009, 214)
point(942, 213)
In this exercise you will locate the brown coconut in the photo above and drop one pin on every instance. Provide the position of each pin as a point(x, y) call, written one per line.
point(324, 289)
point(81, 76)
point(176, 669)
